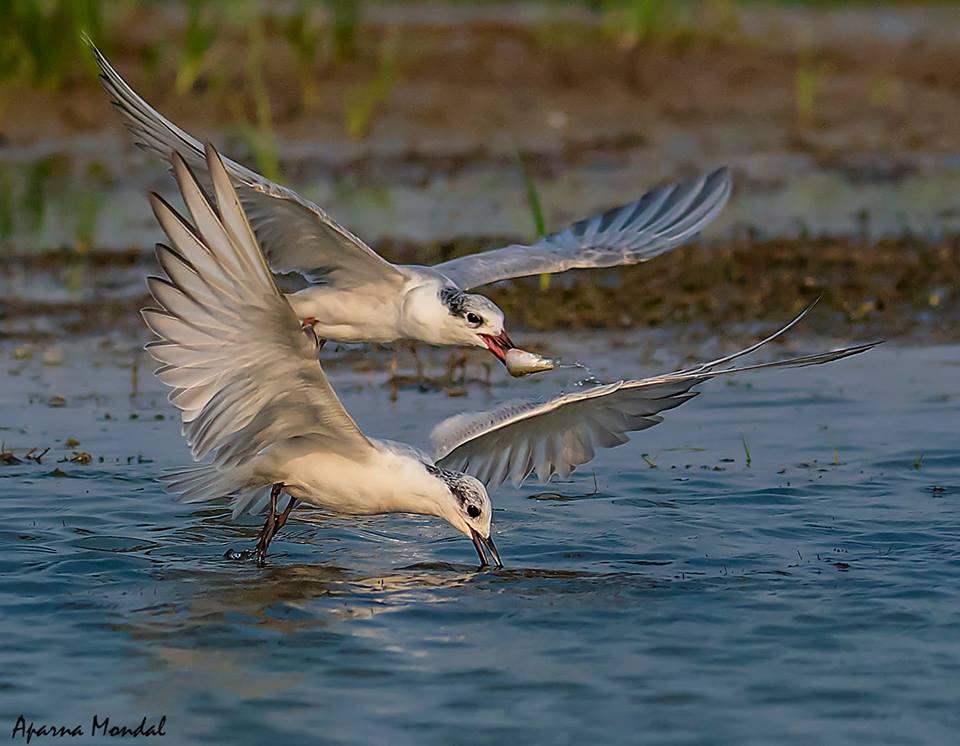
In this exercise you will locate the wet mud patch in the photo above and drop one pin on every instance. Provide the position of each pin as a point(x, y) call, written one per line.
point(898, 289)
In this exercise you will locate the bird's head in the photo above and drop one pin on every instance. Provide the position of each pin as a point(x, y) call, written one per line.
point(475, 321)
point(466, 506)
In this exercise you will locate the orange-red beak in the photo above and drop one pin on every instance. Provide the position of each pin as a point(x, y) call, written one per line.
point(498, 345)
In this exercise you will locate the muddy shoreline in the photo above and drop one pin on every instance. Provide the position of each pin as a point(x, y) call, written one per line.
point(899, 289)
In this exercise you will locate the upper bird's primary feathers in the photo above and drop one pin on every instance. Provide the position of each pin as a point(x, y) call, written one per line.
point(257, 407)
point(659, 221)
point(294, 233)
point(357, 296)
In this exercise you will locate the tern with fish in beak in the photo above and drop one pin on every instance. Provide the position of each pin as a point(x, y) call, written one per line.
point(522, 363)
point(355, 295)
point(257, 406)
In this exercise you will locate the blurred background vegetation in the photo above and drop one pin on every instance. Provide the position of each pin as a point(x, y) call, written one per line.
point(207, 43)
point(41, 47)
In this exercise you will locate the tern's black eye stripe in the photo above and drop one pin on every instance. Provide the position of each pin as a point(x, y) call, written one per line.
point(455, 300)
point(473, 511)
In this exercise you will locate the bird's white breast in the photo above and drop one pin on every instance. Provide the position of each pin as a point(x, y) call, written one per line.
point(377, 314)
point(355, 315)
point(372, 313)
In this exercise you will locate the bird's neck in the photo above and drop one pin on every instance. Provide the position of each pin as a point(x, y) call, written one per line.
point(409, 486)
point(423, 316)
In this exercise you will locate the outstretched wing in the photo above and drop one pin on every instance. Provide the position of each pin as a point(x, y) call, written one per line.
point(556, 436)
point(552, 437)
point(243, 374)
point(294, 233)
point(659, 221)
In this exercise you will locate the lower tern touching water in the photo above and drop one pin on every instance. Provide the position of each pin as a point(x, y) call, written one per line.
point(256, 405)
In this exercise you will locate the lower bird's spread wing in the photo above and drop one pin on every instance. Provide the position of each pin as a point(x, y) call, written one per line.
point(552, 437)
point(243, 375)
point(556, 436)
point(294, 233)
point(659, 221)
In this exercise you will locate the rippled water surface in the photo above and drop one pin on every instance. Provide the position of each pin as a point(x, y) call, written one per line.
point(687, 596)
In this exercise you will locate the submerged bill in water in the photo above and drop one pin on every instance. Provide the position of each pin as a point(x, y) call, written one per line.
point(523, 363)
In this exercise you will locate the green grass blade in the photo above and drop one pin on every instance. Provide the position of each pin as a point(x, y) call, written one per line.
point(536, 210)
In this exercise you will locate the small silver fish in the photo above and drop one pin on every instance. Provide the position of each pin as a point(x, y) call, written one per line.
point(523, 363)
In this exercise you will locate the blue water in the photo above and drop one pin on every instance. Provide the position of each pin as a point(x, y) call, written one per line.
point(812, 596)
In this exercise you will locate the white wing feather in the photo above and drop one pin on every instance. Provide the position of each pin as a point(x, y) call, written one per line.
point(243, 374)
point(552, 437)
point(556, 436)
point(295, 234)
point(659, 221)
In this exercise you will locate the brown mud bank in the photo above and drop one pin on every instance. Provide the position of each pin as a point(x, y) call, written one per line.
point(895, 289)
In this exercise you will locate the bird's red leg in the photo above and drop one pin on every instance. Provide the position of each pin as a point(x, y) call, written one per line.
point(282, 518)
point(307, 325)
point(269, 527)
point(416, 360)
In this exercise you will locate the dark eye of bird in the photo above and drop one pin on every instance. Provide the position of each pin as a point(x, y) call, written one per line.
point(472, 318)
point(473, 511)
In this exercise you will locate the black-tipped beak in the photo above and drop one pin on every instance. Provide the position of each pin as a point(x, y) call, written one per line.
point(479, 543)
point(498, 345)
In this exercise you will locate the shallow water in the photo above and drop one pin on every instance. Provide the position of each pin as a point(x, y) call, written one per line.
point(685, 597)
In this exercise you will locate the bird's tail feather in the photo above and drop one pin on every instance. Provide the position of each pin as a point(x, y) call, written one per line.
point(204, 482)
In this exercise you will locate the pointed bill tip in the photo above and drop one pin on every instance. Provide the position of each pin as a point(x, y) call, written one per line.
point(494, 554)
point(481, 544)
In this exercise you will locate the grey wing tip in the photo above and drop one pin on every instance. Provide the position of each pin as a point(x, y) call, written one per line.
point(834, 355)
point(857, 349)
point(717, 182)
point(98, 56)
point(720, 179)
